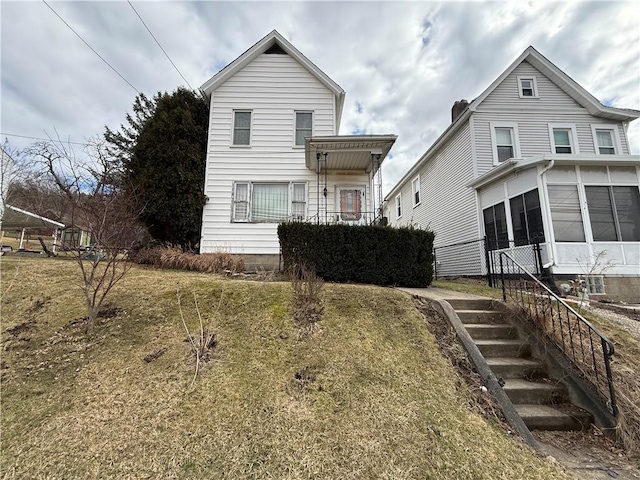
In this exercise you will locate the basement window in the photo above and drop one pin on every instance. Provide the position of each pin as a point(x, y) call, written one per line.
point(595, 285)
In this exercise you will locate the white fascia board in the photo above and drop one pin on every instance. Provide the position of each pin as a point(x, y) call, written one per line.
point(33, 215)
point(449, 131)
point(512, 166)
point(564, 82)
point(262, 46)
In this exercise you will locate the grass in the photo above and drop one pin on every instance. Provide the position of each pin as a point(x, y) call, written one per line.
point(368, 395)
point(472, 286)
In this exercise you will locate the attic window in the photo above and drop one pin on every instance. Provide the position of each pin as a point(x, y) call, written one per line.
point(275, 50)
point(528, 87)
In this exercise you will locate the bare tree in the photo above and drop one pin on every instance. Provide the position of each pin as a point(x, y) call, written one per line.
point(93, 201)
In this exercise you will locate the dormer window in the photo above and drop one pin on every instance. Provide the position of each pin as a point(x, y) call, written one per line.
point(528, 88)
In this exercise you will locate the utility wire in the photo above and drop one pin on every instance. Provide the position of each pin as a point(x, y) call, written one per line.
point(90, 47)
point(40, 138)
point(156, 40)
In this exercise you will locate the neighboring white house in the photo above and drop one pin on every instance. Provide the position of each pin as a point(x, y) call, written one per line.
point(274, 153)
point(534, 155)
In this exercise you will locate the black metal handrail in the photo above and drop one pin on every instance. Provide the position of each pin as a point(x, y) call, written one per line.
point(584, 345)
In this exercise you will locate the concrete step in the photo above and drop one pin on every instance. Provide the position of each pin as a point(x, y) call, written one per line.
point(522, 391)
point(480, 316)
point(503, 348)
point(545, 417)
point(480, 331)
point(510, 367)
point(471, 304)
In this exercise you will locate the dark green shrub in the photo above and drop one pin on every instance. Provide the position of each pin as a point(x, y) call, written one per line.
point(362, 254)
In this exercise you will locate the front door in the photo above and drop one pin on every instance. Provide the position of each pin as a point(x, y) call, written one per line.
point(350, 203)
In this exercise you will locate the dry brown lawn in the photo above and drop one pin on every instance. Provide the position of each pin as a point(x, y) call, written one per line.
point(368, 395)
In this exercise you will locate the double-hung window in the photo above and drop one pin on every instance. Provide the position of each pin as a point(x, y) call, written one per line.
point(614, 213)
point(241, 128)
point(563, 139)
point(415, 189)
point(269, 202)
point(527, 87)
point(399, 205)
point(495, 226)
point(605, 138)
point(504, 137)
point(304, 126)
point(526, 218)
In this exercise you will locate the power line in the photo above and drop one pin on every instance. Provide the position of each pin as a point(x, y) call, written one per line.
point(156, 40)
point(39, 138)
point(90, 47)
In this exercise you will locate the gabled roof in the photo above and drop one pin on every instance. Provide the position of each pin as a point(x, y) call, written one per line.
point(564, 82)
point(546, 67)
point(275, 39)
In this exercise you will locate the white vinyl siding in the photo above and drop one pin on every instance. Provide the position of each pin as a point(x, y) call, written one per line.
point(272, 87)
point(447, 206)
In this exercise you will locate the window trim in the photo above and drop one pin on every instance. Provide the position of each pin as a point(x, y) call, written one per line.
point(534, 85)
point(233, 127)
point(617, 146)
point(573, 137)
point(399, 206)
point(249, 201)
point(516, 140)
point(295, 125)
point(416, 181)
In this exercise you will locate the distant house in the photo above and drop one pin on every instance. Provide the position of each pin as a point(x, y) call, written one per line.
point(535, 156)
point(274, 153)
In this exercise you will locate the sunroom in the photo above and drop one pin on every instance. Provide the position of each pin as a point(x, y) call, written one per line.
point(584, 210)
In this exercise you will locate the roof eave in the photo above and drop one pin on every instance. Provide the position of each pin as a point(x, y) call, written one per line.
point(449, 131)
point(260, 47)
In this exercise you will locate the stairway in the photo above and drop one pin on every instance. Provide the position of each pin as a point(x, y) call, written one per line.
point(542, 403)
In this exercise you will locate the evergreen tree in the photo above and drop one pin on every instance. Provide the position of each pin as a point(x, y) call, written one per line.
point(163, 152)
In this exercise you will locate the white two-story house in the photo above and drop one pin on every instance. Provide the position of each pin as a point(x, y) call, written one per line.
point(274, 153)
point(534, 156)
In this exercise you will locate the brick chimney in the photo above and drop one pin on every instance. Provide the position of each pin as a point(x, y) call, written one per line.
point(457, 109)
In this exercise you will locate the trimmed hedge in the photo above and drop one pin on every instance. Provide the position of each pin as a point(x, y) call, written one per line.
point(362, 254)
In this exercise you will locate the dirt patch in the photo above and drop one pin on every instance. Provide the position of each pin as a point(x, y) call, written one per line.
point(21, 328)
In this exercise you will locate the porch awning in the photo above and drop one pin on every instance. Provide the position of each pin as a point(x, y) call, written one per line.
point(348, 152)
point(16, 218)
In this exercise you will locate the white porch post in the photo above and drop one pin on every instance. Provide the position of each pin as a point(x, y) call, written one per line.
point(21, 239)
point(55, 240)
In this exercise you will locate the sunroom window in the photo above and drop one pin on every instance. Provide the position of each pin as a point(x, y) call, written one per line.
point(269, 202)
point(526, 218)
point(614, 213)
point(495, 226)
point(566, 216)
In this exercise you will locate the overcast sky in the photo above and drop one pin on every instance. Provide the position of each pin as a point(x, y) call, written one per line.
point(401, 64)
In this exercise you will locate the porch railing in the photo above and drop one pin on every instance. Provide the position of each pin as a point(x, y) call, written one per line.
point(584, 345)
point(349, 218)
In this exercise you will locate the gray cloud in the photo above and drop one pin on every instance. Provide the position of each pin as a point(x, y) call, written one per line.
point(401, 64)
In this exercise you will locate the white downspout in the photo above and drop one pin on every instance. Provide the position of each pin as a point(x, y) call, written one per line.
point(21, 239)
point(552, 162)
